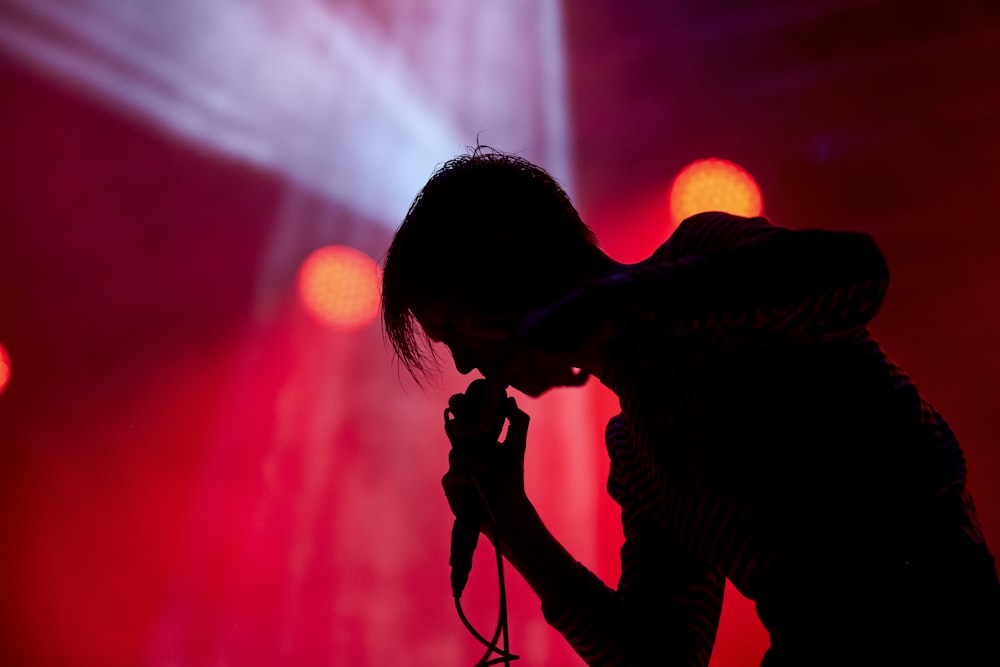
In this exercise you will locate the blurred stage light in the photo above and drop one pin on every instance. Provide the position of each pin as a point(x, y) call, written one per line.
point(713, 184)
point(4, 368)
point(277, 83)
point(271, 83)
point(339, 286)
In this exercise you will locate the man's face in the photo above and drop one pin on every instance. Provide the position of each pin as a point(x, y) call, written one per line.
point(481, 341)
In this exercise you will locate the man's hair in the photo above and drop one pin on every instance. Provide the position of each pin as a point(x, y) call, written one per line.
point(490, 229)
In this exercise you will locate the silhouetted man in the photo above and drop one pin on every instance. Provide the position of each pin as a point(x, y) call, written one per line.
point(764, 436)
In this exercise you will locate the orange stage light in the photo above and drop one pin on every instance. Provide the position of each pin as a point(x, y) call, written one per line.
point(339, 286)
point(4, 368)
point(714, 184)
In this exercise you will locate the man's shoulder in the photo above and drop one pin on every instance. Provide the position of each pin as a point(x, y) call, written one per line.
point(708, 231)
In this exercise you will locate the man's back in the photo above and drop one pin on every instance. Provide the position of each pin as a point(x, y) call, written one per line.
point(809, 472)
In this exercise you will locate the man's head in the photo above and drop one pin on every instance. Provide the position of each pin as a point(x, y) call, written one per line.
point(488, 238)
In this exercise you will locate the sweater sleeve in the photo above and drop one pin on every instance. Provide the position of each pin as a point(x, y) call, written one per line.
point(741, 275)
point(665, 610)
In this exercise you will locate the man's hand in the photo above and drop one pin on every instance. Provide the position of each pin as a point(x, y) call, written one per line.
point(481, 469)
point(512, 524)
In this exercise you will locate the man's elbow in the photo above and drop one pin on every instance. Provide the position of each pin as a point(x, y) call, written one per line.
point(876, 268)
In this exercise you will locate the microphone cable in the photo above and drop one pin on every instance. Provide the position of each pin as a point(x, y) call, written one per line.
point(458, 582)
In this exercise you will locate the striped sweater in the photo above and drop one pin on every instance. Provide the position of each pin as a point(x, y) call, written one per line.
point(764, 437)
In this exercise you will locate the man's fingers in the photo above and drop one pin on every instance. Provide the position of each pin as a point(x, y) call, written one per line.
point(491, 405)
point(459, 490)
point(517, 430)
point(456, 401)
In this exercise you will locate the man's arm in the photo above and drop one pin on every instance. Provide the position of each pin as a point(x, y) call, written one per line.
point(666, 607)
point(733, 273)
point(744, 279)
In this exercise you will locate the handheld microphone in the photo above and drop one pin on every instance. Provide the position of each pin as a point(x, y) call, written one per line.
point(464, 538)
point(471, 510)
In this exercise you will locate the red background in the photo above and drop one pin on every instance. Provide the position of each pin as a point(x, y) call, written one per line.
point(156, 506)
